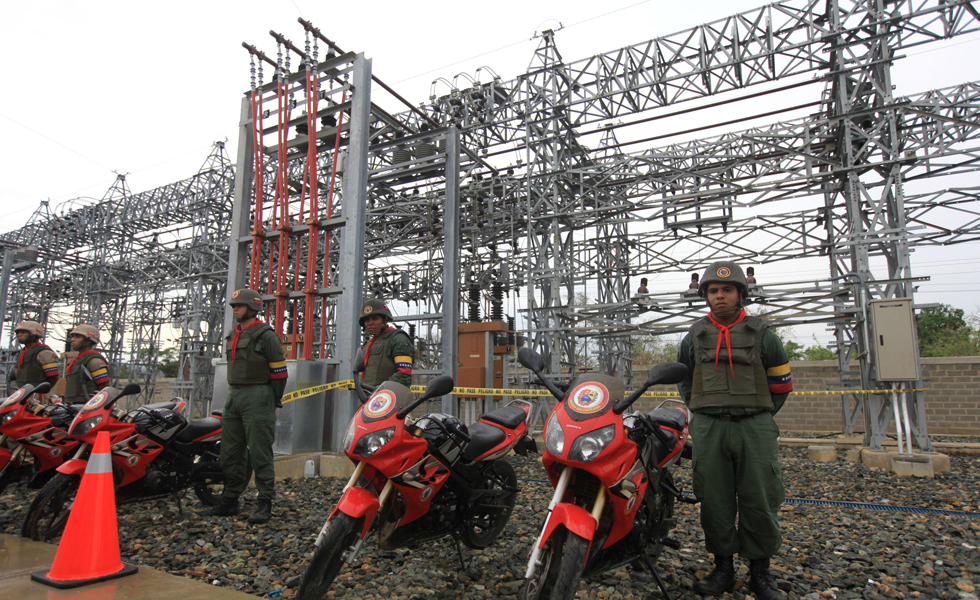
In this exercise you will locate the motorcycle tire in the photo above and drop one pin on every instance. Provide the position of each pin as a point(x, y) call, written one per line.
point(487, 519)
point(210, 492)
point(562, 562)
point(9, 474)
point(328, 558)
point(48, 514)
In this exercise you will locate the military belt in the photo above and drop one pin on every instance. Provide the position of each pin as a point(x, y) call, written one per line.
point(729, 416)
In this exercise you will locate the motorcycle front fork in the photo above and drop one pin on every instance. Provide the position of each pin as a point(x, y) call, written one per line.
point(534, 562)
point(382, 498)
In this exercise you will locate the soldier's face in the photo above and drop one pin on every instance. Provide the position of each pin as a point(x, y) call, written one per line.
point(239, 310)
point(373, 324)
point(22, 336)
point(722, 297)
point(76, 341)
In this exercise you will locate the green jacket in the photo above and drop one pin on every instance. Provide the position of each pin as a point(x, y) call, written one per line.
point(31, 370)
point(75, 380)
point(258, 358)
point(761, 377)
point(389, 356)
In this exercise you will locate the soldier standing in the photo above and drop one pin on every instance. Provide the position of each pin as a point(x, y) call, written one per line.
point(256, 381)
point(37, 362)
point(388, 354)
point(88, 372)
point(739, 378)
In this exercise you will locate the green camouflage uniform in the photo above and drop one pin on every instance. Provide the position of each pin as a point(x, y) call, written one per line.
point(257, 379)
point(736, 452)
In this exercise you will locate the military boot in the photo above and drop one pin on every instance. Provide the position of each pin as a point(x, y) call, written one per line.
point(720, 579)
point(225, 508)
point(263, 512)
point(761, 584)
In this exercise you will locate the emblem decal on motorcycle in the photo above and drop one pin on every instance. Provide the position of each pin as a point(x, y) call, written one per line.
point(589, 398)
point(631, 504)
point(13, 397)
point(132, 460)
point(96, 400)
point(426, 494)
point(55, 451)
point(380, 404)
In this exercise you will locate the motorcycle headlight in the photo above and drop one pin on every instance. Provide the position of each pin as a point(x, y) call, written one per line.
point(369, 444)
point(7, 416)
point(85, 426)
point(349, 436)
point(586, 447)
point(554, 436)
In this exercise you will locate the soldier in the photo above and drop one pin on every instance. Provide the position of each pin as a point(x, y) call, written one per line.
point(256, 381)
point(37, 362)
point(739, 378)
point(88, 372)
point(388, 354)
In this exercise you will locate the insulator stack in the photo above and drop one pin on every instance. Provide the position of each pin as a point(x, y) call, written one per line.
point(474, 303)
point(497, 303)
point(411, 331)
point(511, 333)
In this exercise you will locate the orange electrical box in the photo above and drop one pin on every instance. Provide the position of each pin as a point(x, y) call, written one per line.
point(477, 357)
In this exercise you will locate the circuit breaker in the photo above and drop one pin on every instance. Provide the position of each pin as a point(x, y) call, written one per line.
point(895, 353)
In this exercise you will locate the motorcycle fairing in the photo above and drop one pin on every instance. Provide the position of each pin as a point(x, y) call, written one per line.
point(419, 484)
point(74, 466)
point(133, 455)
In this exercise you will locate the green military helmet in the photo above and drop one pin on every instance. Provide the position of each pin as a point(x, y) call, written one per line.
point(31, 327)
point(246, 297)
point(724, 271)
point(373, 307)
point(86, 331)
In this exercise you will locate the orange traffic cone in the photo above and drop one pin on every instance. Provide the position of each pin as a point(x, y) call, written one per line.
point(89, 549)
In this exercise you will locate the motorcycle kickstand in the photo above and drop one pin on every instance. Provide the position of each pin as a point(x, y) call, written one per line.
point(459, 552)
point(656, 575)
point(180, 503)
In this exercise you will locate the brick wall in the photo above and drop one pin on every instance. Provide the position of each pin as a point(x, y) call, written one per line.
point(952, 397)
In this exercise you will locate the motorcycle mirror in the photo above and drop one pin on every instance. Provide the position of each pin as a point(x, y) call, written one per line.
point(530, 359)
point(666, 373)
point(358, 366)
point(43, 388)
point(130, 389)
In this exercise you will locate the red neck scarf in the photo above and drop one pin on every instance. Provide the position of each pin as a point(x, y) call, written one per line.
point(727, 337)
point(367, 351)
point(238, 332)
point(81, 354)
point(20, 363)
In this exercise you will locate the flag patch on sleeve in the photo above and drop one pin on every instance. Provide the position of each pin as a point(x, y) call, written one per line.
point(780, 380)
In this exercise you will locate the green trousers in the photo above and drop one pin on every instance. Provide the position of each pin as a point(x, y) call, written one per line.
point(248, 429)
point(736, 477)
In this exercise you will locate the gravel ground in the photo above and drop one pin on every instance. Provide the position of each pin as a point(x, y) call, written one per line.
point(828, 552)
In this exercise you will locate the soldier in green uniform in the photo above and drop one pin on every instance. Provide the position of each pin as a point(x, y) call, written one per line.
point(88, 372)
point(256, 381)
point(388, 353)
point(37, 362)
point(739, 378)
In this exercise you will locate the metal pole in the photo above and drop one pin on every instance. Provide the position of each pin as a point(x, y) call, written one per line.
point(8, 260)
point(450, 266)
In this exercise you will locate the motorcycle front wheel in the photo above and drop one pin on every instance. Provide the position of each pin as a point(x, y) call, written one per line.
point(488, 517)
point(328, 558)
point(48, 513)
point(562, 562)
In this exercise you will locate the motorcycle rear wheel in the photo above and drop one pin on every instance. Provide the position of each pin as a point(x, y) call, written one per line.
point(210, 491)
point(562, 562)
point(486, 520)
point(328, 559)
point(48, 514)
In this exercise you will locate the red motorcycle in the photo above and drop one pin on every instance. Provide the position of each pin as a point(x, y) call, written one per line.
point(33, 436)
point(614, 495)
point(156, 452)
point(417, 480)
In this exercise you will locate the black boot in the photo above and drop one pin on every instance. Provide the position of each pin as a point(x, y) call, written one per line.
point(761, 584)
point(719, 580)
point(263, 512)
point(225, 508)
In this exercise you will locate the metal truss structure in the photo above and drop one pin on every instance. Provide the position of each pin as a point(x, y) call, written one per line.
point(514, 200)
point(135, 266)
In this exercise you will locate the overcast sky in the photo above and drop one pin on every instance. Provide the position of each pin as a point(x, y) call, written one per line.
point(93, 88)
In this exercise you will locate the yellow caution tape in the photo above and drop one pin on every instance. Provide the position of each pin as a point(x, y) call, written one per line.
point(467, 391)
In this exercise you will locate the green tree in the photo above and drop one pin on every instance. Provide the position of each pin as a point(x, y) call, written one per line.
point(943, 331)
point(168, 362)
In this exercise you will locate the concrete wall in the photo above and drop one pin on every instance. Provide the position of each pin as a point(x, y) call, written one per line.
point(952, 397)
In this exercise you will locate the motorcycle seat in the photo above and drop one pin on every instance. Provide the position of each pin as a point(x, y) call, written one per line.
point(198, 429)
point(509, 416)
point(482, 438)
point(674, 418)
point(165, 405)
